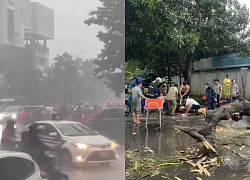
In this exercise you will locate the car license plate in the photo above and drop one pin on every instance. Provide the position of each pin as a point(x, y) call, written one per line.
point(104, 154)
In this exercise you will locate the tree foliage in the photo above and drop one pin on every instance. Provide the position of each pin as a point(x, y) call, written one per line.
point(70, 80)
point(67, 81)
point(110, 66)
point(180, 32)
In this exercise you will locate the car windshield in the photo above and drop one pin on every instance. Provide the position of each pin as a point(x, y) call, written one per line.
point(32, 109)
point(12, 109)
point(72, 129)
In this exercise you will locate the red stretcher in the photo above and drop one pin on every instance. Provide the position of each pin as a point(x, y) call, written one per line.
point(153, 104)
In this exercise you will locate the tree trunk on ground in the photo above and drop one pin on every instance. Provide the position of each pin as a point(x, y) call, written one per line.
point(207, 133)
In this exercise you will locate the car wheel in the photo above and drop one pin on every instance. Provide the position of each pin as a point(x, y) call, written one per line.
point(66, 158)
point(106, 164)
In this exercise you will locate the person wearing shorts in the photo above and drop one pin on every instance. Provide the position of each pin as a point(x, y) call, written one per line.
point(136, 100)
point(184, 91)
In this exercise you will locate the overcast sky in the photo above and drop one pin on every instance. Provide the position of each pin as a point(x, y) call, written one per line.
point(71, 34)
point(247, 2)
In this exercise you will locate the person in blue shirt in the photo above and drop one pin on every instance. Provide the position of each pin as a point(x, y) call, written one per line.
point(131, 86)
point(211, 96)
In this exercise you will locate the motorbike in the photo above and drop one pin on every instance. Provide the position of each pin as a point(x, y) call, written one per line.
point(46, 159)
point(50, 168)
point(127, 108)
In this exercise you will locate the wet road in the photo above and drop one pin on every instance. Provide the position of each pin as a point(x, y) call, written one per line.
point(166, 142)
point(116, 171)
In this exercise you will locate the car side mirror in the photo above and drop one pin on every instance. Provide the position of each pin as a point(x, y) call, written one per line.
point(54, 134)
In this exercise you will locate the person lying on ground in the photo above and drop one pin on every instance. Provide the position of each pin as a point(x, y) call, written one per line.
point(184, 91)
point(190, 104)
point(210, 96)
point(137, 95)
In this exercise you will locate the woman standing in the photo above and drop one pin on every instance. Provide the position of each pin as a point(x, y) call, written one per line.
point(8, 136)
point(226, 86)
point(234, 89)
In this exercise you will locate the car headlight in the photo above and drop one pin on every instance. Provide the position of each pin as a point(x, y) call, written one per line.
point(113, 145)
point(1, 116)
point(13, 116)
point(80, 145)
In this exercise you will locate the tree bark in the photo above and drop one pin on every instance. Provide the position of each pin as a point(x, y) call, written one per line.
point(188, 69)
point(213, 118)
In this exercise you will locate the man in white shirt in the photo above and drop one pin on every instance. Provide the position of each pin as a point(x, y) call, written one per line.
point(190, 104)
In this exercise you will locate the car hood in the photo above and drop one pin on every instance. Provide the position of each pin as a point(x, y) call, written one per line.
point(90, 140)
point(6, 113)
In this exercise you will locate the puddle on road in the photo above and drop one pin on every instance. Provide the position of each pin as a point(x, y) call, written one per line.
point(167, 142)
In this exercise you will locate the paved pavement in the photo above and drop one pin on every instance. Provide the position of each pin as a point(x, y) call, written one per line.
point(115, 171)
point(167, 142)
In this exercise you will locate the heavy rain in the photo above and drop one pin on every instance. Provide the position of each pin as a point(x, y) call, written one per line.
point(61, 100)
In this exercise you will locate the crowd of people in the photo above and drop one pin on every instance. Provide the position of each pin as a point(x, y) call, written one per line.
point(214, 94)
point(170, 96)
point(177, 98)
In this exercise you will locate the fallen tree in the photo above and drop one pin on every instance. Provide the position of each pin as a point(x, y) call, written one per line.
point(206, 135)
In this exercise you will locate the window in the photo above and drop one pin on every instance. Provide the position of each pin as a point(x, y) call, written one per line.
point(47, 129)
point(12, 109)
point(112, 113)
point(73, 129)
point(16, 168)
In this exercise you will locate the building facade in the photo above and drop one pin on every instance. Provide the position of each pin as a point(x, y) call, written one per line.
point(25, 27)
point(217, 67)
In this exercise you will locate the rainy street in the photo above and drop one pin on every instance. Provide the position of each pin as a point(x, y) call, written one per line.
point(97, 172)
point(166, 143)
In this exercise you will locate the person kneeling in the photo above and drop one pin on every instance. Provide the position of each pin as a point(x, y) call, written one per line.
point(190, 104)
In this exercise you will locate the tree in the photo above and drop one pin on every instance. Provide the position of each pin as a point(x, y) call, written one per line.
point(69, 80)
point(185, 31)
point(109, 62)
point(206, 134)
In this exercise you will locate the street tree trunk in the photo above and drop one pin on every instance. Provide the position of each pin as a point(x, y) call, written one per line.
point(207, 133)
point(188, 69)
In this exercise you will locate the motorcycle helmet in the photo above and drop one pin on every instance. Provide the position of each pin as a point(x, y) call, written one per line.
point(159, 79)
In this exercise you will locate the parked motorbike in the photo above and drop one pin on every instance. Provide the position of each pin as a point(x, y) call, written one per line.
point(127, 108)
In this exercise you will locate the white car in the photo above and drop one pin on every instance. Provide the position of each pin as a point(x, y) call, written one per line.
point(18, 166)
point(82, 145)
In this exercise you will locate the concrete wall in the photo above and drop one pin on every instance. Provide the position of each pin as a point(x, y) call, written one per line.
point(22, 20)
point(3, 22)
point(42, 20)
point(199, 79)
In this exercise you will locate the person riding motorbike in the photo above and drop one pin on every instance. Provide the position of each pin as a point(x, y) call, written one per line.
point(34, 146)
point(8, 136)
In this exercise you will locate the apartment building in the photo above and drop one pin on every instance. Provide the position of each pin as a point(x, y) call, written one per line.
point(25, 28)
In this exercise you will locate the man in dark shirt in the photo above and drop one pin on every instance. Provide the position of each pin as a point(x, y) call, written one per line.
point(210, 95)
point(153, 90)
